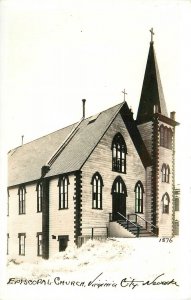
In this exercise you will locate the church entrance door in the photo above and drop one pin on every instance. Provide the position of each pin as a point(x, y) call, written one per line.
point(119, 193)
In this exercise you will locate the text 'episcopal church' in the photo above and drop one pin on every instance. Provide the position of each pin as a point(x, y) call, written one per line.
point(105, 176)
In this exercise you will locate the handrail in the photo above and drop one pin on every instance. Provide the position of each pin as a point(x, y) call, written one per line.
point(144, 220)
point(127, 219)
point(147, 222)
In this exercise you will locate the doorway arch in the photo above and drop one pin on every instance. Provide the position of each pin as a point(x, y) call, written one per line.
point(119, 194)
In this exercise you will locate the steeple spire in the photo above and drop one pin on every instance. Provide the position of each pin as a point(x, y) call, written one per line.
point(152, 97)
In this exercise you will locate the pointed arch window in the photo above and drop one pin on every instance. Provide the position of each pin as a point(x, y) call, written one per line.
point(119, 151)
point(139, 190)
point(165, 203)
point(119, 186)
point(165, 173)
point(22, 204)
point(39, 190)
point(63, 192)
point(97, 186)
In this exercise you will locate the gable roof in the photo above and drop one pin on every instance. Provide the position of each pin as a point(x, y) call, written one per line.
point(25, 162)
point(67, 149)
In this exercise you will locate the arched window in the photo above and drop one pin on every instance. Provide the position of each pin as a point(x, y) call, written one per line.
point(119, 151)
point(39, 196)
point(165, 203)
point(22, 205)
point(165, 173)
point(97, 185)
point(139, 190)
point(63, 192)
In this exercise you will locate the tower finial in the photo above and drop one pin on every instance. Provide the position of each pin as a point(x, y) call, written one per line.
point(152, 34)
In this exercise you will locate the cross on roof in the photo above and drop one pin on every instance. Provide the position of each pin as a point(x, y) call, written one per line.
point(152, 34)
point(124, 93)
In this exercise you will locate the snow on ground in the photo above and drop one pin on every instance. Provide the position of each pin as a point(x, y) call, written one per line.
point(113, 263)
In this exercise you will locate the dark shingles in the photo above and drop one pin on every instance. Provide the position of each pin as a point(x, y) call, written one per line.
point(25, 162)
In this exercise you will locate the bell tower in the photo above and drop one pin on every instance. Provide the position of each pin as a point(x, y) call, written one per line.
point(157, 129)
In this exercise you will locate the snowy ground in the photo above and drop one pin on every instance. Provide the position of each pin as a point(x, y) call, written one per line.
point(131, 268)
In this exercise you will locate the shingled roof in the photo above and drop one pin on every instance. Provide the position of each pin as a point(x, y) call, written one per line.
point(152, 91)
point(67, 149)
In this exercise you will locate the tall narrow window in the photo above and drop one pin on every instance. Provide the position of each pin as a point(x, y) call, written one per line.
point(165, 137)
point(21, 194)
point(39, 196)
point(8, 202)
point(139, 190)
point(39, 243)
point(63, 192)
point(7, 243)
point(165, 173)
point(22, 237)
point(97, 185)
point(162, 135)
point(165, 203)
point(119, 151)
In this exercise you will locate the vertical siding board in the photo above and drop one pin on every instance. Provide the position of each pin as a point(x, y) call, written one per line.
point(101, 161)
point(29, 223)
point(61, 221)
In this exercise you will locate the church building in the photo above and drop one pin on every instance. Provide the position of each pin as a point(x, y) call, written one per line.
point(108, 175)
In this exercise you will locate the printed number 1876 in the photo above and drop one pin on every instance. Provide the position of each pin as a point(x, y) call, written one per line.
point(166, 240)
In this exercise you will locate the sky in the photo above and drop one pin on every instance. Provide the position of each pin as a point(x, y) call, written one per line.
point(55, 53)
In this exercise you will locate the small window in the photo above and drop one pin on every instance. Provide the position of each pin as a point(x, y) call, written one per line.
point(119, 151)
point(39, 244)
point(63, 192)
point(139, 197)
point(97, 185)
point(8, 196)
point(7, 243)
point(39, 196)
point(21, 193)
point(165, 203)
point(165, 173)
point(22, 237)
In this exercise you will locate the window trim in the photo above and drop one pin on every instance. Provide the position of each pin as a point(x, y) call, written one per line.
point(119, 152)
point(22, 200)
point(63, 195)
point(20, 236)
point(8, 243)
point(164, 210)
point(166, 136)
point(139, 200)
point(165, 173)
point(39, 196)
point(39, 247)
point(97, 189)
point(119, 180)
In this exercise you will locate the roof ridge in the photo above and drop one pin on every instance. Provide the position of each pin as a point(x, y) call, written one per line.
point(109, 123)
point(63, 144)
